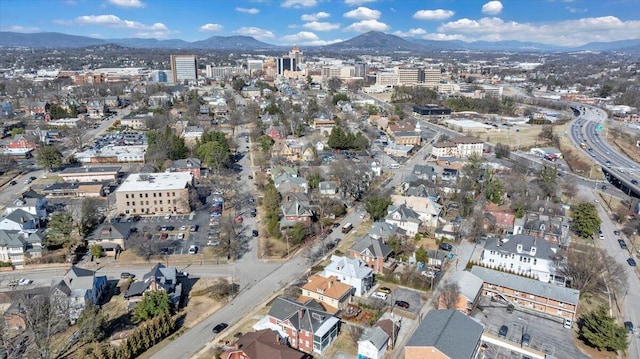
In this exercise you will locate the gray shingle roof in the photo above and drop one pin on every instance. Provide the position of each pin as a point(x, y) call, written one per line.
point(375, 336)
point(312, 318)
point(509, 245)
point(451, 332)
point(527, 285)
point(373, 245)
point(352, 267)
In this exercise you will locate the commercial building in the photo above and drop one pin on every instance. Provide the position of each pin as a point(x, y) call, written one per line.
point(155, 193)
point(463, 146)
point(184, 67)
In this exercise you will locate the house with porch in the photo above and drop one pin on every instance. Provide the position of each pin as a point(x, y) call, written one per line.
point(295, 212)
point(158, 278)
point(351, 271)
point(405, 218)
point(81, 286)
point(111, 237)
point(374, 252)
point(333, 294)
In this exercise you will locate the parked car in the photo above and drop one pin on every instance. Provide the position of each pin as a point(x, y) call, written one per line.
point(193, 249)
point(622, 243)
point(220, 327)
point(126, 275)
point(167, 216)
point(164, 227)
point(629, 326)
point(502, 333)
point(402, 304)
point(183, 228)
point(239, 219)
point(330, 246)
point(24, 281)
point(335, 225)
point(526, 340)
point(446, 246)
point(180, 236)
point(254, 232)
point(385, 290)
point(164, 236)
point(13, 183)
point(632, 262)
point(194, 228)
point(617, 233)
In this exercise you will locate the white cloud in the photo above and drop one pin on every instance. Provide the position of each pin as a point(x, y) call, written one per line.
point(97, 36)
point(210, 27)
point(297, 4)
point(256, 32)
point(367, 25)
point(438, 14)
point(492, 8)
point(315, 17)
point(443, 37)
point(411, 33)
point(155, 30)
point(70, 2)
point(362, 13)
point(127, 3)
point(563, 33)
point(251, 11)
point(321, 26)
point(19, 28)
point(357, 2)
point(302, 36)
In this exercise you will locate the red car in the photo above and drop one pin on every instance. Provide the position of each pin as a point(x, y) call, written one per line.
point(239, 219)
point(402, 304)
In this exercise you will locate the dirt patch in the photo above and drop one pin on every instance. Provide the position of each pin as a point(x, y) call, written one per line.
point(578, 161)
point(623, 142)
point(198, 309)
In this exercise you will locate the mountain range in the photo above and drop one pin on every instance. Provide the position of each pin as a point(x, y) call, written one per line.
point(372, 41)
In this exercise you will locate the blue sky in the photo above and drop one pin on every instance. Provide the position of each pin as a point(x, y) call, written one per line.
point(319, 22)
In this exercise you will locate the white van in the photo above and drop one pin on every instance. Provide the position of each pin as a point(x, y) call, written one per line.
point(379, 295)
point(568, 323)
point(393, 165)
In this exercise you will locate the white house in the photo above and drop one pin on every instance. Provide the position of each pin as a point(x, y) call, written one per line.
point(34, 206)
point(405, 218)
point(373, 343)
point(522, 254)
point(428, 210)
point(328, 188)
point(20, 220)
point(351, 271)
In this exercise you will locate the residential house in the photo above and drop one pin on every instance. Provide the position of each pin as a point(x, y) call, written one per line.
point(160, 99)
point(191, 165)
point(383, 230)
point(422, 189)
point(81, 286)
point(39, 108)
point(405, 218)
point(521, 254)
point(295, 212)
point(328, 291)
point(159, 278)
point(96, 108)
point(136, 121)
point(287, 183)
point(250, 92)
point(20, 220)
point(436, 258)
point(278, 170)
point(90, 174)
point(328, 188)
point(112, 237)
point(502, 217)
point(374, 252)
point(281, 148)
point(15, 246)
point(191, 134)
point(276, 133)
point(21, 142)
point(373, 343)
point(552, 226)
point(262, 344)
point(112, 102)
point(391, 328)
point(529, 294)
point(36, 206)
point(307, 325)
point(463, 146)
point(351, 271)
point(427, 208)
point(445, 333)
point(308, 154)
point(450, 174)
point(467, 297)
point(425, 172)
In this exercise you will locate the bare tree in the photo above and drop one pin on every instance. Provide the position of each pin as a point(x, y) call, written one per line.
point(353, 177)
point(449, 296)
point(78, 134)
point(231, 244)
point(591, 270)
point(355, 332)
point(44, 316)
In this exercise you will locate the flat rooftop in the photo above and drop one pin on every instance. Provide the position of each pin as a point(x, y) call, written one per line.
point(137, 182)
point(97, 169)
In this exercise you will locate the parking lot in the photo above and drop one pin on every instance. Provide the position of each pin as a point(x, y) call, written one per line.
point(412, 297)
point(547, 335)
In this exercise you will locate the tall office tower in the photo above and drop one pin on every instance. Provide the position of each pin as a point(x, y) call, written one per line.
point(209, 71)
point(286, 64)
point(253, 66)
point(361, 69)
point(296, 54)
point(184, 67)
point(159, 76)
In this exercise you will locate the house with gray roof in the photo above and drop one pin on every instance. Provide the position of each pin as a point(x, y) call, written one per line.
point(288, 183)
point(81, 286)
point(529, 294)
point(404, 217)
point(307, 326)
point(158, 278)
point(469, 290)
point(295, 212)
point(191, 164)
point(383, 230)
point(445, 333)
point(351, 271)
point(425, 172)
point(328, 188)
point(551, 227)
point(521, 254)
point(373, 251)
point(112, 237)
point(373, 343)
point(15, 244)
point(20, 220)
point(36, 206)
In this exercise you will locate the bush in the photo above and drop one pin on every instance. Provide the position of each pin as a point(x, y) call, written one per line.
point(5, 264)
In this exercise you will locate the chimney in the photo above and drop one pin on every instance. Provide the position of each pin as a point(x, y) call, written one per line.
point(301, 313)
point(533, 251)
point(519, 248)
point(330, 284)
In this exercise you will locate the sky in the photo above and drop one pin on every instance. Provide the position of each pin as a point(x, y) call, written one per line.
point(321, 22)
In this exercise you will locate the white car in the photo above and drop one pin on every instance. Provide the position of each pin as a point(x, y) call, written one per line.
point(180, 236)
point(167, 216)
point(24, 281)
point(193, 249)
point(183, 228)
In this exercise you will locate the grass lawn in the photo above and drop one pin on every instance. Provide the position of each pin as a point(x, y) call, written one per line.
point(526, 137)
point(344, 343)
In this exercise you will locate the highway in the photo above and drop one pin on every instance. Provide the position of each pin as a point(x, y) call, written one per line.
point(587, 129)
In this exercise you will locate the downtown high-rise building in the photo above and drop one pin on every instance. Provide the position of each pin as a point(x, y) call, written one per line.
point(184, 67)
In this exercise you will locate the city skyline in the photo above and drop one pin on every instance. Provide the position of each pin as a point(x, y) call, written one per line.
point(322, 22)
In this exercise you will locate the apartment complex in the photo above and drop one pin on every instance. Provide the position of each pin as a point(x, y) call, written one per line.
point(463, 146)
point(184, 67)
point(155, 193)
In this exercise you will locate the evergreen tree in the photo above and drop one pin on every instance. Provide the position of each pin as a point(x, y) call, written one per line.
point(601, 331)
